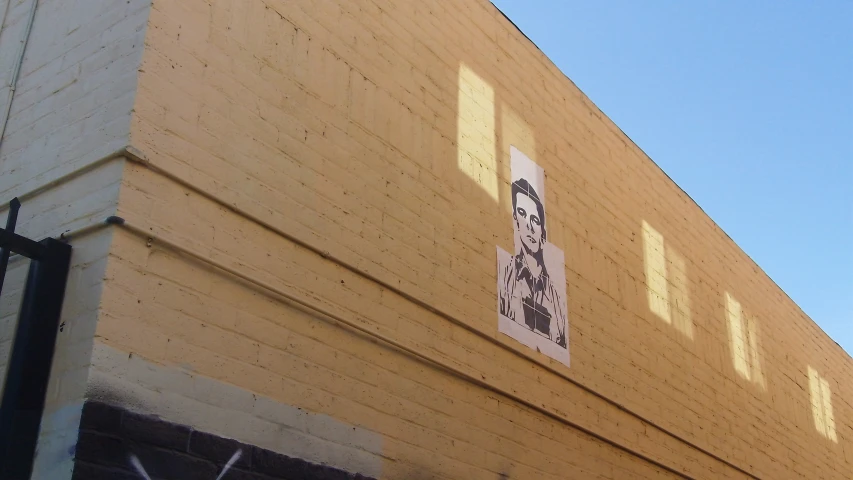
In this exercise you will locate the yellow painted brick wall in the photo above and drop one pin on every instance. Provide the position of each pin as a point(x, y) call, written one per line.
point(377, 133)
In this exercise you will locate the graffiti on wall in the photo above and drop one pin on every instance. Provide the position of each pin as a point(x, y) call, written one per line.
point(531, 280)
point(137, 465)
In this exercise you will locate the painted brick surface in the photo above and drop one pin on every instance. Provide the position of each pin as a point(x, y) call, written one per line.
point(76, 86)
point(110, 435)
point(71, 108)
point(432, 424)
point(378, 134)
point(78, 203)
point(355, 167)
point(186, 396)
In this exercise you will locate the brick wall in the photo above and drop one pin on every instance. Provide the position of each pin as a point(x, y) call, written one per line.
point(110, 437)
point(312, 213)
point(75, 90)
point(81, 202)
point(190, 397)
point(69, 115)
point(355, 156)
point(197, 321)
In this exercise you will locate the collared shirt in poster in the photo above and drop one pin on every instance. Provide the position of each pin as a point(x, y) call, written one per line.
point(532, 300)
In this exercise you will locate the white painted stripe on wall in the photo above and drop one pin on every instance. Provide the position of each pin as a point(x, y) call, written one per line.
point(212, 406)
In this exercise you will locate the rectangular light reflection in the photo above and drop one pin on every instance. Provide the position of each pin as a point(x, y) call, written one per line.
point(737, 340)
point(821, 402)
point(680, 294)
point(475, 140)
point(655, 263)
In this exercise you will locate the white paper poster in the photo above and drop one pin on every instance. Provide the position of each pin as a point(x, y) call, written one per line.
point(532, 279)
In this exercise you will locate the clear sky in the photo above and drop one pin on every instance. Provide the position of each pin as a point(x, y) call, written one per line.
point(747, 105)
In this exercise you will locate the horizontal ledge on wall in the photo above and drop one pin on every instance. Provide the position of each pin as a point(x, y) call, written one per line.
point(309, 307)
point(133, 154)
point(124, 152)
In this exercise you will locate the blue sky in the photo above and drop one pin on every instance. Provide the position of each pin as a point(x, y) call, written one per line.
point(748, 106)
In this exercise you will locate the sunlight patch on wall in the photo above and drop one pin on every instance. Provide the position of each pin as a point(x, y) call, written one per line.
point(679, 292)
point(667, 287)
point(655, 262)
point(821, 402)
point(744, 339)
point(737, 336)
point(514, 132)
point(475, 133)
point(754, 335)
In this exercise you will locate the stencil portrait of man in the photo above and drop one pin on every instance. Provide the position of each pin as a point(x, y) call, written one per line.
point(531, 280)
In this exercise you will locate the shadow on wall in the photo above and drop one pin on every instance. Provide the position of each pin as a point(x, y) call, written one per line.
point(820, 396)
point(666, 282)
point(744, 341)
point(10, 306)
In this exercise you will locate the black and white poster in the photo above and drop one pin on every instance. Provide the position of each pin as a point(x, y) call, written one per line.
point(532, 279)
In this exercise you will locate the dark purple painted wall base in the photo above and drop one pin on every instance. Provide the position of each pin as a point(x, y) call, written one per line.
point(168, 451)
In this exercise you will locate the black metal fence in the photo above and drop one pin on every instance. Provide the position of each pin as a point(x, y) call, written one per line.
point(31, 356)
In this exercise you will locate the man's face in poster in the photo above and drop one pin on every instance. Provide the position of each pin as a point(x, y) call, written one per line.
point(528, 222)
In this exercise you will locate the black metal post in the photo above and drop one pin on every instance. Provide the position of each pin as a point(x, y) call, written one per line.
point(31, 358)
point(11, 221)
